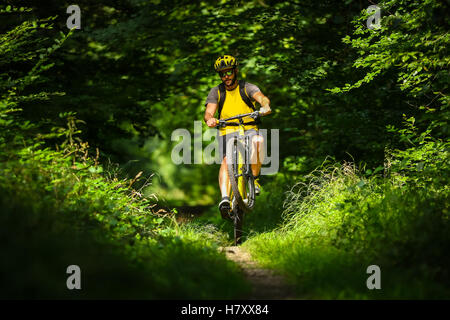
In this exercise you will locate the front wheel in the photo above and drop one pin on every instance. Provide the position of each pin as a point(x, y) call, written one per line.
point(242, 182)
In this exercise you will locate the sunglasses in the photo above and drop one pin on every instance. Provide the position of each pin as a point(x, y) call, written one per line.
point(226, 73)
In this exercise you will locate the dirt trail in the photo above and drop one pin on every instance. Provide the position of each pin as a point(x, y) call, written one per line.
point(266, 285)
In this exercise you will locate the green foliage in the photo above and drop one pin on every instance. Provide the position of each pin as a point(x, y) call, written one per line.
point(61, 206)
point(339, 222)
point(338, 91)
point(269, 206)
point(425, 164)
point(63, 203)
point(41, 243)
point(412, 47)
point(24, 52)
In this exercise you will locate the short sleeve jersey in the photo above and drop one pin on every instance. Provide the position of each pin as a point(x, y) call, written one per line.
point(233, 105)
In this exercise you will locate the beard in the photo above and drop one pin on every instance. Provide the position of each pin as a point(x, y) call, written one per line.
point(232, 82)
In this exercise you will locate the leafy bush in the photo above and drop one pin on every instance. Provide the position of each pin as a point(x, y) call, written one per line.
point(61, 209)
point(61, 206)
point(424, 163)
point(340, 221)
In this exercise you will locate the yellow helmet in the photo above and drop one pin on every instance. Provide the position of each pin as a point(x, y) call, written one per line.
point(225, 62)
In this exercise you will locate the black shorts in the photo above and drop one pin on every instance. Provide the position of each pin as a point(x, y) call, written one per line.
point(223, 140)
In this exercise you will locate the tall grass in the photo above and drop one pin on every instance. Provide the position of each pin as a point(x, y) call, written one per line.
point(61, 208)
point(340, 221)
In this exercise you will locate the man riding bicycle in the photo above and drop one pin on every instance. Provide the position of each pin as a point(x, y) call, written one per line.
point(231, 98)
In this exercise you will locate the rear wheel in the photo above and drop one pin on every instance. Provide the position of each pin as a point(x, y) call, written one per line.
point(238, 224)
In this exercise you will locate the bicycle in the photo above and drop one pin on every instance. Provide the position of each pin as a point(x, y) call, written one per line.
point(239, 172)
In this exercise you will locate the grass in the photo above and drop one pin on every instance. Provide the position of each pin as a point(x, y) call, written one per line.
point(62, 207)
point(59, 211)
point(265, 216)
point(339, 223)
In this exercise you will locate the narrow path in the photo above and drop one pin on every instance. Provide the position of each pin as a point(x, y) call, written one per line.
point(266, 285)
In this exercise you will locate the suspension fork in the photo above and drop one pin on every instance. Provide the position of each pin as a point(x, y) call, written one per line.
point(243, 167)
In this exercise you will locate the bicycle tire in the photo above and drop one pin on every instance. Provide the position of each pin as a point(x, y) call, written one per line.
point(238, 220)
point(238, 179)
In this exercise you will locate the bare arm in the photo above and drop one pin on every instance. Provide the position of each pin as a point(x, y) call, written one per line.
point(211, 109)
point(264, 102)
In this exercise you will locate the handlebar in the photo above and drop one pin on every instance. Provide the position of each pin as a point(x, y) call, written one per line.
point(223, 122)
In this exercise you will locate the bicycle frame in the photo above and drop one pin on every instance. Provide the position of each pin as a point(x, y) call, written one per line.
point(241, 158)
point(245, 162)
point(240, 174)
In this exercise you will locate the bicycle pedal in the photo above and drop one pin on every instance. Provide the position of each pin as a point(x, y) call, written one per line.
point(224, 208)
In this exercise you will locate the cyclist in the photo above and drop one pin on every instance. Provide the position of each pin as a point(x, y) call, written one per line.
point(231, 98)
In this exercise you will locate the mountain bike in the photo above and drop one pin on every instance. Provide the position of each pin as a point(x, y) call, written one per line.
point(240, 173)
